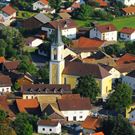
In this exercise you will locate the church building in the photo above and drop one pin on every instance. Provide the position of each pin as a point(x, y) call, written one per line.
point(62, 72)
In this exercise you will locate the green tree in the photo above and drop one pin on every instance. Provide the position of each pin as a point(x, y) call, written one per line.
point(87, 87)
point(15, 86)
point(44, 73)
point(23, 124)
point(120, 98)
point(85, 12)
point(117, 126)
point(3, 115)
point(55, 4)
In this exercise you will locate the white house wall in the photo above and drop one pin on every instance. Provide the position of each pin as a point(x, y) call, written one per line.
point(80, 115)
point(46, 129)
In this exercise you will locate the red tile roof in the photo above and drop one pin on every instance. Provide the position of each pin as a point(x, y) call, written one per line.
point(24, 104)
point(44, 1)
point(91, 123)
point(87, 44)
point(11, 65)
point(126, 59)
point(47, 123)
point(106, 28)
point(63, 24)
point(127, 30)
point(83, 69)
point(2, 59)
point(130, 9)
point(102, 3)
point(98, 133)
point(5, 81)
point(8, 10)
point(79, 104)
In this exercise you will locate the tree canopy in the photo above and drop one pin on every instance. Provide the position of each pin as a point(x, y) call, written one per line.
point(87, 87)
point(24, 124)
point(117, 126)
point(55, 4)
point(120, 98)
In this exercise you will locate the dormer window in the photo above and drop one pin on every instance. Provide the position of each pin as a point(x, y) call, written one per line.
point(55, 90)
point(39, 90)
point(31, 90)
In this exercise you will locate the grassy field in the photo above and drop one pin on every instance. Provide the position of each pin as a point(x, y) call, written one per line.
point(118, 22)
point(24, 14)
point(29, 49)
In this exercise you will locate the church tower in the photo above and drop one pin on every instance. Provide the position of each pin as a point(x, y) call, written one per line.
point(57, 62)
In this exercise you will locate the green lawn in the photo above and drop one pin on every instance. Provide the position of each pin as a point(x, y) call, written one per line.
point(24, 14)
point(29, 49)
point(118, 22)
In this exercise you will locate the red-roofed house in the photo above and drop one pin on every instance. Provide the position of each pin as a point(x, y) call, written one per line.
point(126, 59)
point(129, 10)
point(67, 26)
point(127, 34)
point(106, 32)
point(76, 111)
point(28, 105)
point(86, 46)
point(40, 5)
point(49, 127)
point(7, 15)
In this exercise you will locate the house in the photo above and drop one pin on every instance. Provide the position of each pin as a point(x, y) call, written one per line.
point(116, 75)
point(40, 4)
point(127, 2)
point(128, 10)
point(127, 34)
point(21, 78)
point(67, 26)
point(9, 66)
point(130, 79)
point(91, 124)
point(77, 111)
point(86, 46)
point(48, 11)
point(49, 91)
point(64, 15)
point(5, 84)
point(48, 127)
point(7, 15)
point(67, 73)
point(30, 106)
point(106, 32)
point(33, 41)
point(53, 113)
point(35, 22)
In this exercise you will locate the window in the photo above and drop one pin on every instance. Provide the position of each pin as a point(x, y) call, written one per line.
point(80, 117)
point(43, 129)
point(3, 90)
point(26, 97)
point(74, 118)
point(50, 129)
point(55, 53)
point(65, 80)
